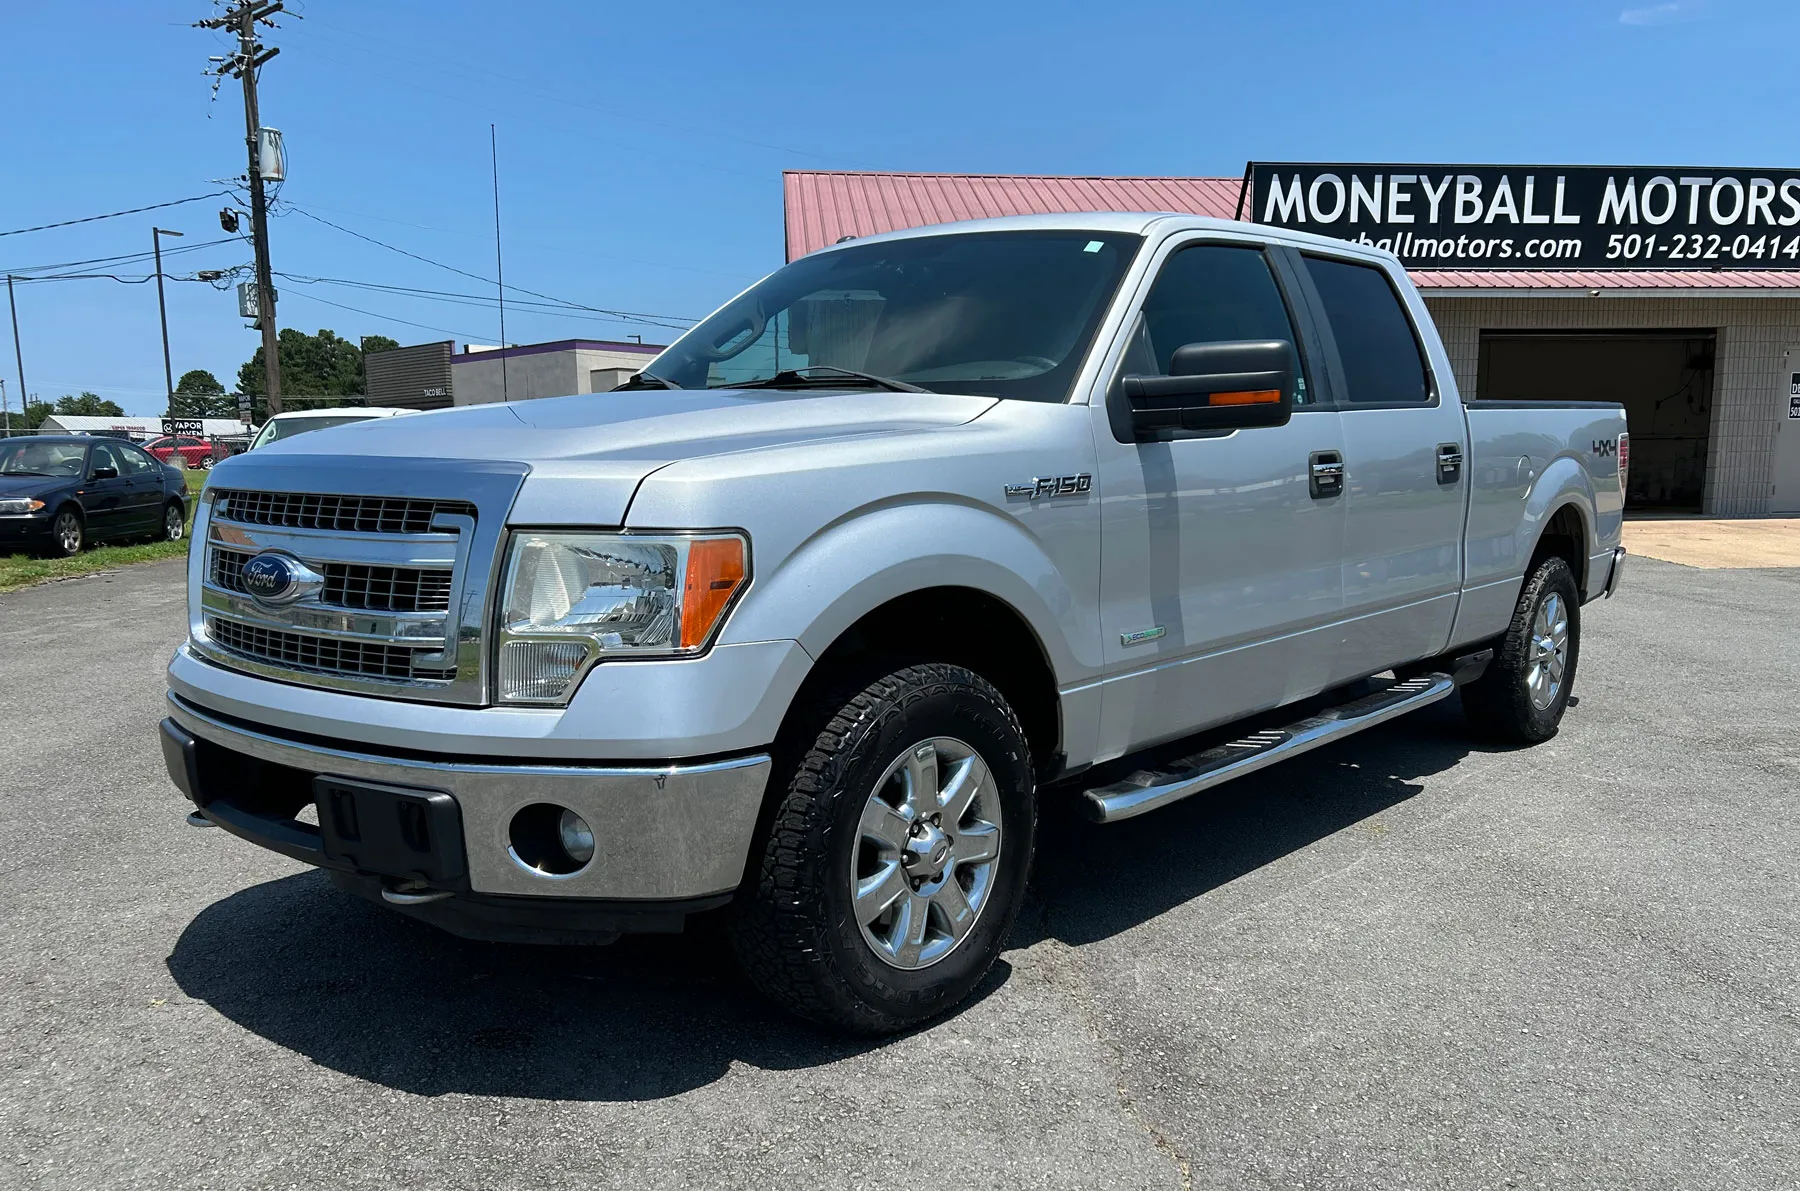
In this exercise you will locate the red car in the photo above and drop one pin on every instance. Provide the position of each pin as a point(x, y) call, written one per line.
point(193, 452)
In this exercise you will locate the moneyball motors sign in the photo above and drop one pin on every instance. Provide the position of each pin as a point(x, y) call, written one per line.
point(1542, 217)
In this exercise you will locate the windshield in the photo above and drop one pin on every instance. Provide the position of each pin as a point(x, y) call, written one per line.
point(280, 428)
point(999, 314)
point(41, 458)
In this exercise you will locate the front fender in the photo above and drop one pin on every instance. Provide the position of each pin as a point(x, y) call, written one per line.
point(900, 548)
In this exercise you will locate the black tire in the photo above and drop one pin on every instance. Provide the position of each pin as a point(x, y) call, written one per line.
point(68, 533)
point(174, 526)
point(1500, 705)
point(794, 926)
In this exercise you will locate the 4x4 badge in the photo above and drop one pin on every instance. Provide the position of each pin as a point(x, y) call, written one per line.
point(1074, 485)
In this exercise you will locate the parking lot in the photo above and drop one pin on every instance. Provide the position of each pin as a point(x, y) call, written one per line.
point(1397, 962)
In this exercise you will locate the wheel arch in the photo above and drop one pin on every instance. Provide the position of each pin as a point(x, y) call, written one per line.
point(963, 626)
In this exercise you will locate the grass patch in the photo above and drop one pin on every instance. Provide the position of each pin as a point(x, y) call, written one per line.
point(22, 570)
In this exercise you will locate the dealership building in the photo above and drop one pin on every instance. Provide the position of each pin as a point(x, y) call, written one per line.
point(1675, 291)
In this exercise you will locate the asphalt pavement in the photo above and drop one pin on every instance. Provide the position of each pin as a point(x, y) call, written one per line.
point(1398, 962)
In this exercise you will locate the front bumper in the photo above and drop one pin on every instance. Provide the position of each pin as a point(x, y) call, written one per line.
point(24, 529)
point(662, 832)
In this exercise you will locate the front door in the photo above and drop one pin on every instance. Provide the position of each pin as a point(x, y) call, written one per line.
point(1219, 574)
point(1787, 437)
point(1405, 470)
point(104, 498)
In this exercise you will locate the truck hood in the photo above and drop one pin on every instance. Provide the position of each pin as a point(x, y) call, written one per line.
point(587, 454)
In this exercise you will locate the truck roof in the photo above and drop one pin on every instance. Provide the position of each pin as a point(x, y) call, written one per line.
point(1130, 222)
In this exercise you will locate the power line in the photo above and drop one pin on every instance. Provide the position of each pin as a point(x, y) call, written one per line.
point(671, 322)
point(44, 227)
point(463, 335)
point(125, 259)
point(626, 314)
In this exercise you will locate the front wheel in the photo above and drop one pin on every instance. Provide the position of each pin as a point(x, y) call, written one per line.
point(897, 855)
point(67, 534)
point(1522, 696)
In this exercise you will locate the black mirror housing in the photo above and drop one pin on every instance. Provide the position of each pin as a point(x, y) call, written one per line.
point(1230, 385)
point(104, 473)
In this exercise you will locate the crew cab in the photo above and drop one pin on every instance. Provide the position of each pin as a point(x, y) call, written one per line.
point(805, 622)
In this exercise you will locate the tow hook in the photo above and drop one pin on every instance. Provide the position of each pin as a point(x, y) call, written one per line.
point(411, 893)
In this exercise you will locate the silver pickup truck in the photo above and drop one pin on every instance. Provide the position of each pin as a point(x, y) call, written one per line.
point(805, 623)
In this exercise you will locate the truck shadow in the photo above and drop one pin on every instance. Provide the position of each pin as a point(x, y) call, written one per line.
point(379, 997)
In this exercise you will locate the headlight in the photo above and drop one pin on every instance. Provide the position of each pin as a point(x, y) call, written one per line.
point(572, 599)
point(20, 504)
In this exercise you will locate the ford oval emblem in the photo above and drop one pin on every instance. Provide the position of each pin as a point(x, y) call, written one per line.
point(273, 578)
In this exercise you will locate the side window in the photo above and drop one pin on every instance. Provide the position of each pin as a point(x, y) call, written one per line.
point(1207, 294)
point(1375, 340)
point(135, 460)
point(105, 456)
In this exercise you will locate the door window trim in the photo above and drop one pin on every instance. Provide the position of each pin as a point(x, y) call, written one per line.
point(1328, 337)
point(1118, 410)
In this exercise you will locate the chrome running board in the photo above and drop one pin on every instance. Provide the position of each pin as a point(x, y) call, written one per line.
point(1148, 789)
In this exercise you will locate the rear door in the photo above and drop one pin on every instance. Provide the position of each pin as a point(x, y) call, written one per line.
point(1219, 582)
point(1405, 468)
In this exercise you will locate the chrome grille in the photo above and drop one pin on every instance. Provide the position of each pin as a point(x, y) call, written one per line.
point(354, 514)
point(353, 585)
point(321, 655)
point(386, 589)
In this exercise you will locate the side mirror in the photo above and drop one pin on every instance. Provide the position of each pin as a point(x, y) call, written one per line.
point(1231, 385)
point(104, 473)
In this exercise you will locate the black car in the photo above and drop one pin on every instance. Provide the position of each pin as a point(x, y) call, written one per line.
point(60, 492)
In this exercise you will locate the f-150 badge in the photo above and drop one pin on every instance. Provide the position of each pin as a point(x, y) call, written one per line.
point(1074, 485)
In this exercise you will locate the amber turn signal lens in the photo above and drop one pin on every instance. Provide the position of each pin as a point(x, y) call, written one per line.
point(715, 571)
point(1247, 397)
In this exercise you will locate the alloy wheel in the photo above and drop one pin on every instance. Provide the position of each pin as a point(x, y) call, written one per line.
point(925, 853)
point(1548, 654)
point(68, 533)
point(174, 524)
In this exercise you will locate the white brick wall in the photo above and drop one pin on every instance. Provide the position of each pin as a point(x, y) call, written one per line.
point(1747, 398)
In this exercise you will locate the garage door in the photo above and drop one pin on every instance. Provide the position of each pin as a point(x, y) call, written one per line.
point(1664, 379)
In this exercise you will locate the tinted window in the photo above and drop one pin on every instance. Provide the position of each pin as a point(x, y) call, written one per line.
point(1375, 340)
point(105, 456)
point(135, 460)
point(1003, 314)
point(1209, 293)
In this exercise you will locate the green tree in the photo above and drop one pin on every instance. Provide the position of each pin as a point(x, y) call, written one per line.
point(198, 394)
point(316, 370)
point(33, 417)
point(88, 405)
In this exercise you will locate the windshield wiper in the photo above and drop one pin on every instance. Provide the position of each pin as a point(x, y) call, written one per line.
point(647, 380)
point(797, 378)
point(25, 473)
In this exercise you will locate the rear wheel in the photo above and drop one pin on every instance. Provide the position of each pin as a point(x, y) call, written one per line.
point(67, 533)
point(1522, 696)
point(897, 855)
point(174, 526)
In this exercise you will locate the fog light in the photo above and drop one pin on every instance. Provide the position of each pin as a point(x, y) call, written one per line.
point(577, 837)
point(548, 840)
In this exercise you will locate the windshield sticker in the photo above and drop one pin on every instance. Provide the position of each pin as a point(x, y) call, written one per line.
point(1094, 246)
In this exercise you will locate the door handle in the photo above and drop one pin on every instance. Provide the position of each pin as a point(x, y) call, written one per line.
point(1449, 462)
point(1326, 474)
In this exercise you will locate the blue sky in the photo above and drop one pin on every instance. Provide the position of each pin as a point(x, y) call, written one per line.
point(641, 147)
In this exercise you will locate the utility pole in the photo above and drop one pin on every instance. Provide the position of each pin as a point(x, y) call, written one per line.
point(162, 311)
point(499, 274)
point(18, 351)
point(5, 412)
point(243, 19)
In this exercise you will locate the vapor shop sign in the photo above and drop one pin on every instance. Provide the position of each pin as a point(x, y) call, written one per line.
point(1539, 217)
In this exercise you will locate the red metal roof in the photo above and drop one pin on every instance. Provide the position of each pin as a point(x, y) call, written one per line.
point(822, 207)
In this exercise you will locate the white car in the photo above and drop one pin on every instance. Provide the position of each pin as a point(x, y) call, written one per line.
point(299, 421)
